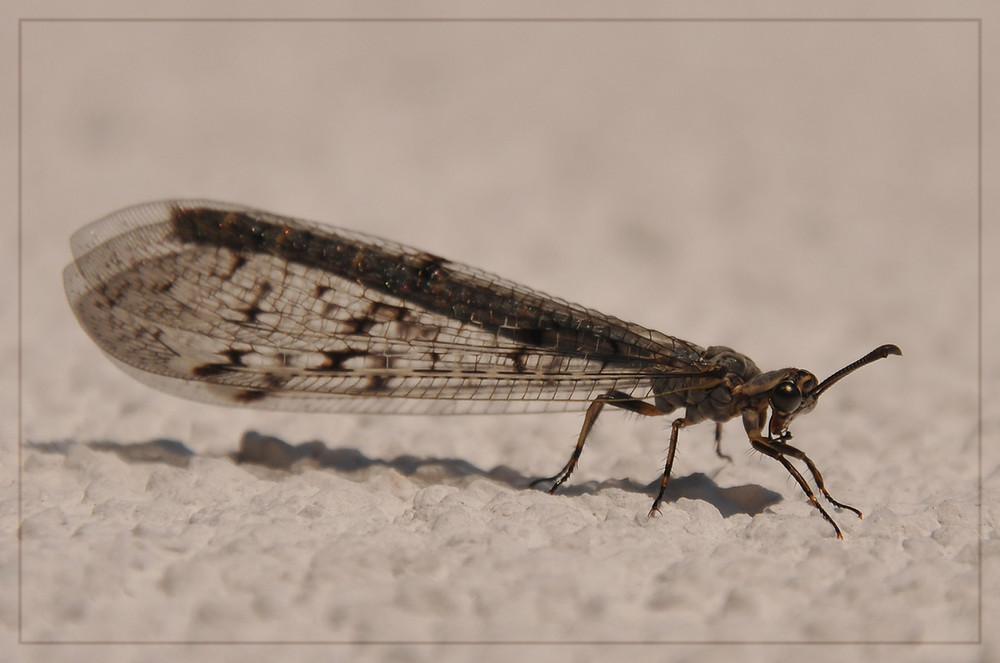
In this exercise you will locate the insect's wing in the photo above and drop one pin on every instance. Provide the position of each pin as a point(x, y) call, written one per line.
point(229, 305)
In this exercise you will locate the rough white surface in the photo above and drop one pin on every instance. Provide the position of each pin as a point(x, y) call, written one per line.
point(763, 186)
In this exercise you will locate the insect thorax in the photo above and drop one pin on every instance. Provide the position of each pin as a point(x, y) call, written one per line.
point(710, 402)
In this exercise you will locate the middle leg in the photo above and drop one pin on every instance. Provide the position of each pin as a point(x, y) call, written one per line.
point(675, 429)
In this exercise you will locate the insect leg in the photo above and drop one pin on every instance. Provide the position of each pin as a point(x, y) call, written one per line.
point(718, 443)
point(615, 398)
point(817, 477)
point(671, 450)
point(776, 449)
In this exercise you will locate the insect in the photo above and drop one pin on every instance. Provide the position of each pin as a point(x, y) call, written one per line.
point(226, 304)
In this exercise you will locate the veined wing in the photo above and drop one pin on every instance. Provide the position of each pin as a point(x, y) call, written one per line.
point(230, 305)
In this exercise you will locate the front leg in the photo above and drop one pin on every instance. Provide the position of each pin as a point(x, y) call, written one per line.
point(795, 452)
point(777, 449)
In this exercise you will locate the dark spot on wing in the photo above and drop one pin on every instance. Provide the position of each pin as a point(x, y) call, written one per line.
point(434, 359)
point(361, 325)
point(211, 370)
point(377, 313)
point(109, 295)
point(526, 335)
point(334, 360)
point(253, 309)
point(376, 383)
point(163, 288)
point(235, 360)
point(235, 357)
point(330, 310)
point(238, 261)
point(275, 382)
point(517, 358)
point(387, 312)
point(250, 395)
point(250, 313)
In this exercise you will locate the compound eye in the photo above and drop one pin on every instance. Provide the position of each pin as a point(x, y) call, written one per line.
point(786, 397)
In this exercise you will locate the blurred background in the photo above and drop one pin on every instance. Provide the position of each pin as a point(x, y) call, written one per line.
point(800, 191)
